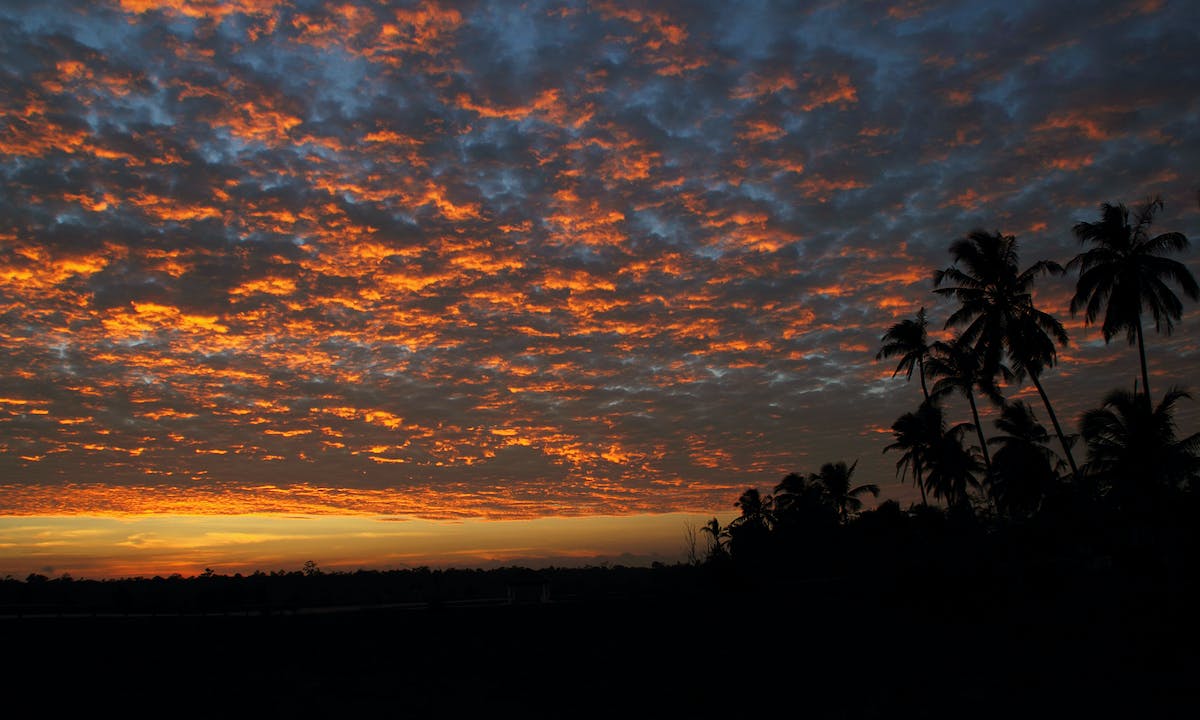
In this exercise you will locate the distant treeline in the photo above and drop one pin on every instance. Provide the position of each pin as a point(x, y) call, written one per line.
point(311, 588)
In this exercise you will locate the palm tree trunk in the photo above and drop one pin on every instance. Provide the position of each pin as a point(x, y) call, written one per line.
point(921, 372)
point(1142, 357)
point(1062, 439)
point(987, 458)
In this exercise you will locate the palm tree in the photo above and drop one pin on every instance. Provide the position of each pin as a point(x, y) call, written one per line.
point(917, 433)
point(959, 369)
point(797, 495)
point(804, 514)
point(1024, 468)
point(1125, 271)
point(1133, 451)
point(952, 468)
point(756, 508)
point(834, 479)
point(909, 340)
point(718, 538)
point(750, 533)
point(996, 306)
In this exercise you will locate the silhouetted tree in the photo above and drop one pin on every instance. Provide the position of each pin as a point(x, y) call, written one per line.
point(917, 434)
point(750, 532)
point(834, 480)
point(718, 539)
point(1133, 451)
point(1125, 271)
point(1024, 468)
point(997, 310)
point(909, 340)
point(959, 368)
point(949, 468)
point(800, 500)
point(952, 468)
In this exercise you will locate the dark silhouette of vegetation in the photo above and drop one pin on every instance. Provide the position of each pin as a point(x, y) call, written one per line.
point(1124, 271)
point(908, 340)
point(1133, 452)
point(834, 479)
point(999, 315)
point(959, 368)
point(1025, 468)
point(917, 435)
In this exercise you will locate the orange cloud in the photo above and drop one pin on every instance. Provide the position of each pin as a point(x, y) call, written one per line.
point(835, 89)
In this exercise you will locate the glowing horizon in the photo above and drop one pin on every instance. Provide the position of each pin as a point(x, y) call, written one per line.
point(126, 545)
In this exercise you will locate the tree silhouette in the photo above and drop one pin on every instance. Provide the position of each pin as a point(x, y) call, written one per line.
point(959, 369)
point(799, 500)
point(806, 521)
point(1125, 271)
point(718, 539)
point(834, 480)
point(909, 340)
point(940, 463)
point(996, 306)
point(952, 468)
point(1133, 451)
point(750, 532)
point(1023, 467)
point(917, 435)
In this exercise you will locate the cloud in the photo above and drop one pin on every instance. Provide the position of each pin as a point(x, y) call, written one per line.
point(460, 258)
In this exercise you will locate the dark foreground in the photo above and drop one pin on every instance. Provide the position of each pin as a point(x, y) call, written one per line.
point(1092, 645)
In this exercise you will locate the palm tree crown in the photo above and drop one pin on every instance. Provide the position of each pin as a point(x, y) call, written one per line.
point(958, 368)
point(1125, 272)
point(996, 306)
point(1133, 450)
point(908, 340)
point(1025, 468)
point(996, 303)
point(834, 478)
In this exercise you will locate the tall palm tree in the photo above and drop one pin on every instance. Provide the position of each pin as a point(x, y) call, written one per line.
point(1024, 468)
point(996, 306)
point(959, 368)
point(909, 340)
point(1124, 271)
point(834, 479)
point(1133, 450)
point(917, 434)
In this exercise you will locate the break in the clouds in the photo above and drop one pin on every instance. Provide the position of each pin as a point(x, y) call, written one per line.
point(482, 259)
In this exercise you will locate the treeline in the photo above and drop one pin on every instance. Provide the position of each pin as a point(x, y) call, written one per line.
point(288, 591)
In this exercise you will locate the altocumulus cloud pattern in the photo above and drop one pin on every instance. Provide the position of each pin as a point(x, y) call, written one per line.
point(489, 259)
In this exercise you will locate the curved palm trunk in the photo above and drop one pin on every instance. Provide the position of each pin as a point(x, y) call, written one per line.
point(1062, 439)
point(987, 458)
point(921, 372)
point(1142, 357)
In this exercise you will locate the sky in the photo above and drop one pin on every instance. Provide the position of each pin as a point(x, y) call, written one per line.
point(364, 264)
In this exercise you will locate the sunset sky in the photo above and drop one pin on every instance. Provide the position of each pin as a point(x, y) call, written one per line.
point(385, 284)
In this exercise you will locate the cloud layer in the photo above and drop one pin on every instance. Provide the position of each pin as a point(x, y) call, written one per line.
point(562, 258)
